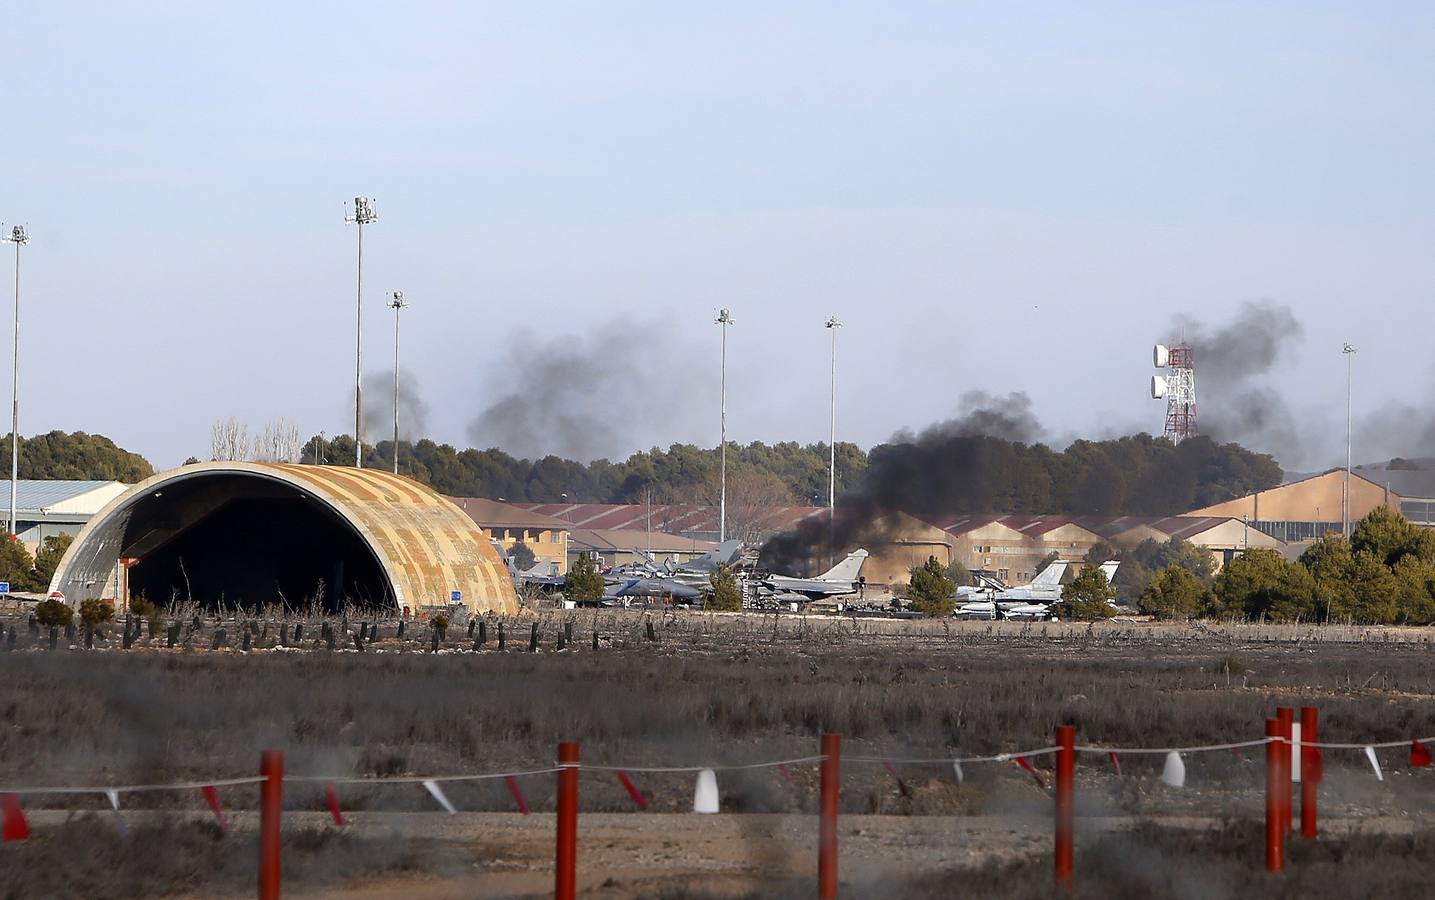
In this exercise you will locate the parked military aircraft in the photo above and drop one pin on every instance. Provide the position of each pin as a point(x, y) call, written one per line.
point(1027, 601)
point(840, 579)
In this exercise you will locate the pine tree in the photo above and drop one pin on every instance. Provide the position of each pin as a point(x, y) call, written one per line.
point(724, 595)
point(583, 581)
point(931, 590)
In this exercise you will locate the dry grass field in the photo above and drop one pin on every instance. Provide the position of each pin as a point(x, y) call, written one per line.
point(719, 690)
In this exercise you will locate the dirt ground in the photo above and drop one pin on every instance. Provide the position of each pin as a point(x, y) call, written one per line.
point(720, 690)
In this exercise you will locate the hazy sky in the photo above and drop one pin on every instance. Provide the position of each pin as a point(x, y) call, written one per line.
point(1016, 197)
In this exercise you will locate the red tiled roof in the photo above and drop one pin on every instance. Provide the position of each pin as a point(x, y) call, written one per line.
point(664, 517)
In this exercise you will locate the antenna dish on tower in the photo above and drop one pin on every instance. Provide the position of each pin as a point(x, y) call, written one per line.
point(1160, 356)
point(1158, 387)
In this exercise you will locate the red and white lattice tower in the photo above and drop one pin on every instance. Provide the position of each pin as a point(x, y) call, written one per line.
point(1178, 387)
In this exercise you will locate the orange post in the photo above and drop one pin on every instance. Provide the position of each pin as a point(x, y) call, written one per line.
point(271, 813)
point(565, 885)
point(1309, 770)
point(1275, 824)
point(1065, 802)
point(1285, 715)
point(827, 829)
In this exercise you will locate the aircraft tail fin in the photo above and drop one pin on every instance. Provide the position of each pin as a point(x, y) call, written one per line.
point(725, 552)
point(1051, 575)
point(847, 569)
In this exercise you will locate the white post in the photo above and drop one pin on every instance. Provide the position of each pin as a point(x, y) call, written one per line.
point(832, 325)
point(1349, 352)
point(723, 320)
point(19, 238)
point(396, 304)
point(363, 215)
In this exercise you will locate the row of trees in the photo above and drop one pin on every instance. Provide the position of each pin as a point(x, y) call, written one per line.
point(1135, 475)
point(77, 456)
point(786, 473)
point(964, 474)
point(1384, 573)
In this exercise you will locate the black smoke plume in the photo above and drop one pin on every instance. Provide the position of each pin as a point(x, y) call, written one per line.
point(379, 407)
point(1233, 400)
point(596, 395)
point(932, 474)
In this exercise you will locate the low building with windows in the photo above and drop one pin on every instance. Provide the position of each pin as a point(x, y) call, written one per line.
point(47, 508)
point(508, 525)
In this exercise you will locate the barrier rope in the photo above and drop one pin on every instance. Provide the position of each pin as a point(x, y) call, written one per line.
point(598, 767)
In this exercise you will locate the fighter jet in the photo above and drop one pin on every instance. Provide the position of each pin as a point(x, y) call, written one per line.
point(840, 579)
point(697, 570)
point(1027, 601)
point(652, 587)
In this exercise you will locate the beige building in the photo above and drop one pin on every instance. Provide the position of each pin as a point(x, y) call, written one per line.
point(1014, 546)
point(506, 525)
point(1306, 509)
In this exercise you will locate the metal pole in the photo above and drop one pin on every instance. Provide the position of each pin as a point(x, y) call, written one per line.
point(396, 304)
point(396, 389)
point(1285, 717)
point(363, 215)
point(1275, 826)
point(832, 325)
point(831, 791)
point(19, 238)
point(1349, 352)
point(1309, 770)
point(271, 811)
point(1065, 803)
point(565, 883)
point(724, 319)
point(359, 361)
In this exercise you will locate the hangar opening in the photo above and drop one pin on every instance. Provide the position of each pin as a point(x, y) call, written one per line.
point(227, 535)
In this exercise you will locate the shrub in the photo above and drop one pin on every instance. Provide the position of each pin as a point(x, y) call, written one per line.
point(1088, 596)
point(54, 613)
point(1174, 593)
point(931, 589)
point(583, 581)
point(724, 595)
point(95, 611)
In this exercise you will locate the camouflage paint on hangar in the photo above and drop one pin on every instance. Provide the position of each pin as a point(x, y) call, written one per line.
point(425, 545)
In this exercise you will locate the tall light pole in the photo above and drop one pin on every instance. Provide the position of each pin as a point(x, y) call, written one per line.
point(396, 304)
point(363, 214)
point(832, 324)
point(724, 319)
point(19, 238)
point(1349, 352)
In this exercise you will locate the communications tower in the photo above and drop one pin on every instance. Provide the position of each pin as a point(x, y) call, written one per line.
point(1178, 387)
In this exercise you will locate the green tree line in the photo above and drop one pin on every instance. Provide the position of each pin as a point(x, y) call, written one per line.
point(1383, 574)
point(1137, 475)
point(77, 456)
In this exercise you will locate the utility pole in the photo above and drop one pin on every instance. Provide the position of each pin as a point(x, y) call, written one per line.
point(832, 324)
point(396, 304)
point(364, 214)
point(1349, 352)
point(19, 238)
point(724, 319)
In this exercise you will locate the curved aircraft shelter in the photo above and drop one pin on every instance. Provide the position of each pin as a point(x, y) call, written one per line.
point(260, 533)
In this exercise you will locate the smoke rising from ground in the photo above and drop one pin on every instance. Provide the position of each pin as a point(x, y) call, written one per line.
point(1233, 401)
point(379, 407)
point(602, 394)
point(933, 471)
